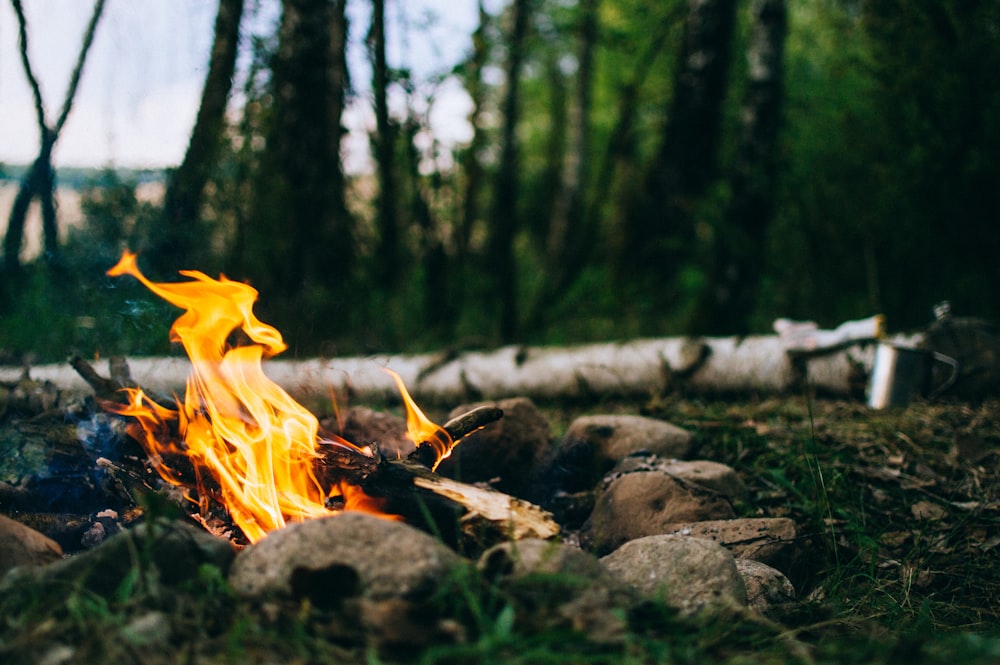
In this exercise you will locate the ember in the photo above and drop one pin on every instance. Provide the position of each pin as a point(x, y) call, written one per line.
point(257, 443)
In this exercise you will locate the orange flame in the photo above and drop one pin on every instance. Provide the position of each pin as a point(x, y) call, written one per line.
point(258, 443)
point(422, 431)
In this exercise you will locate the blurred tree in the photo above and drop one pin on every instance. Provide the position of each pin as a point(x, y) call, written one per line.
point(660, 233)
point(737, 254)
point(470, 158)
point(40, 179)
point(568, 239)
point(935, 64)
point(387, 257)
point(298, 238)
point(501, 269)
point(183, 242)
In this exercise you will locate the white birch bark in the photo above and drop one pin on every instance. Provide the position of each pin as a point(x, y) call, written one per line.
point(715, 365)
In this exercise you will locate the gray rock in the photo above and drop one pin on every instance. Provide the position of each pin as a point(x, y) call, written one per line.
point(509, 454)
point(594, 444)
point(712, 475)
point(21, 545)
point(769, 592)
point(689, 574)
point(332, 558)
point(644, 504)
point(621, 435)
point(532, 555)
point(173, 551)
point(770, 540)
point(588, 598)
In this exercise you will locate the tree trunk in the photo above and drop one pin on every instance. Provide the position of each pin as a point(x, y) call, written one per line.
point(661, 231)
point(40, 179)
point(387, 257)
point(471, 165)
point(439, 309)
point(615, 189)
point(300, 240)
point(186, 185)
point(738, 251)
point(504, 223)
point(568, 237)
point(761, 365)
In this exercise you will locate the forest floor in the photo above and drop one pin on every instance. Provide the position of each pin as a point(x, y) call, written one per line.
point(901, 510)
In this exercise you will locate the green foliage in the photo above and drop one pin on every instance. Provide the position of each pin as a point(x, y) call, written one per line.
point(884, 200)
point(54, 310)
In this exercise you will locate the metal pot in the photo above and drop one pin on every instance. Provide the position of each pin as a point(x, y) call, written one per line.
point(901, 373)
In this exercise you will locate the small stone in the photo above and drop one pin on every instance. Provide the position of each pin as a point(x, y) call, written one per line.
point(21, 545)
point(93, 536)
point(769, 592)
point(148, 630)
point(57, 654)
point(689, 574)
point(645, 504)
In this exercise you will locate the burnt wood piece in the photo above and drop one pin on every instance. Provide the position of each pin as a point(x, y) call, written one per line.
point(461, 514)
point(105, 388)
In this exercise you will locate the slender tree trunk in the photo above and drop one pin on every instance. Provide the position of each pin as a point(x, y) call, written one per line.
point(187, 183)
point(661, 231)
point(738, 250)
point(439, 310)
point(541, 206)
point(504, 221)
point(471, 165)
point(568, 238)
point(615, 186)
point(301, 235)
point(387, 258)
point(40, 179)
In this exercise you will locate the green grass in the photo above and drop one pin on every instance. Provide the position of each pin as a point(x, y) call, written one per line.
point(886, 578)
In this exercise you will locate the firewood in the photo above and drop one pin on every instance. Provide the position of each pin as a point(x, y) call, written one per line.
point(460, 513)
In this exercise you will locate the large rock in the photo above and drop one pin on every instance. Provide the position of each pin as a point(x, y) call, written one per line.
point(770, 540)
point(509, 454)
point(584, 596)
point(341, 556)
point(715, 476)
point(690, 574)
point(175, 550)
point(594, 444)
point(23, 546)
point(647, 503)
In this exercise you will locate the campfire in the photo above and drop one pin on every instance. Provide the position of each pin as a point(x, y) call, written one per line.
point(237, 440)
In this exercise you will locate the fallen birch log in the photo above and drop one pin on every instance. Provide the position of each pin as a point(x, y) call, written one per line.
point(761, 364)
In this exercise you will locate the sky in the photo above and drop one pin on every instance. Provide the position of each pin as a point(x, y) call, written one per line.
point(139, 93)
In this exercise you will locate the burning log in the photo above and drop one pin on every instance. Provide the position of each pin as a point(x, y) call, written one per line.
point(481, 515)
point(461, 514)
point(251, 457)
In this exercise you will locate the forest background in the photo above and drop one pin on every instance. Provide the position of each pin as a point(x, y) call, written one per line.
point(635, 168)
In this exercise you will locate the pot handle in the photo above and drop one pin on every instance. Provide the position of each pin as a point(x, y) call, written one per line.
point(950, 381)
